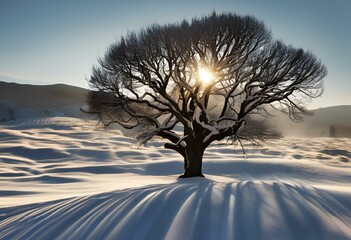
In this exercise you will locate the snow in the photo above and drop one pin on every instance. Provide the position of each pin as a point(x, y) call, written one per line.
point(11, 112)
point(64, 178)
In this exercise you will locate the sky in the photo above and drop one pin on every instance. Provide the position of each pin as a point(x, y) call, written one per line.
point(58, 41)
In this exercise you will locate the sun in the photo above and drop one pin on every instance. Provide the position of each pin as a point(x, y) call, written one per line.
point(205, 76)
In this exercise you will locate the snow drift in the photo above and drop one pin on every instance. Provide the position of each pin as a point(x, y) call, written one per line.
point(63, 178)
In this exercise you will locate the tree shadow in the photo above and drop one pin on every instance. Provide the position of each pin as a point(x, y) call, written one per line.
point(187, 209)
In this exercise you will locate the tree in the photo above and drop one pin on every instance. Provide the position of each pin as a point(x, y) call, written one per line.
point(332, 132)
point(212, 75)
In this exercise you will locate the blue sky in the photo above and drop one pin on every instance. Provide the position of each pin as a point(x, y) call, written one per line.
point(47, 41)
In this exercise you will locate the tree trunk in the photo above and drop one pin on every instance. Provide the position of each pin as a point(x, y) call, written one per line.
point(193, 162)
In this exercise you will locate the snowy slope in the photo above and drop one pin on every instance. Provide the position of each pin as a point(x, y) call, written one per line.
point(13, 112)
point(29, 101)
point(64, 178)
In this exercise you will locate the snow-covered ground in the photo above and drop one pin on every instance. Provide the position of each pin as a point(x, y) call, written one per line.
point(65, 178)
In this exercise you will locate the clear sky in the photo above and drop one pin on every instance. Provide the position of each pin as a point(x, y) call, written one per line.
point(58, 41)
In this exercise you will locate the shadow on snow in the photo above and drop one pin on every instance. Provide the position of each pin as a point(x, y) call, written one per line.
point(187, 209)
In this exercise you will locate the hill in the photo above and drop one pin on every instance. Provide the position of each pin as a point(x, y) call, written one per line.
point(317, 125)
point(18, 101)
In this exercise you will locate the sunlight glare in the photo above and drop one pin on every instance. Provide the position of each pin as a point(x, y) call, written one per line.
point(205, 76)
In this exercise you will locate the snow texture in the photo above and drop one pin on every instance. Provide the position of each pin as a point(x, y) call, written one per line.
point(63, 178)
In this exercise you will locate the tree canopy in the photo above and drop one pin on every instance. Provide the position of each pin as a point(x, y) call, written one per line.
point(211, 75)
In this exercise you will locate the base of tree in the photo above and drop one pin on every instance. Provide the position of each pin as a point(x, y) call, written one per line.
point(189, 176)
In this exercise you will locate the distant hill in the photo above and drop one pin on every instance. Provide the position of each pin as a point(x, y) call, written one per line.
point(337, 115)
point(18, 101)
point(319, 124)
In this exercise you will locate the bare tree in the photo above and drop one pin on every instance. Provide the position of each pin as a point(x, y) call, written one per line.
point(332, 132)
point(212, 75)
